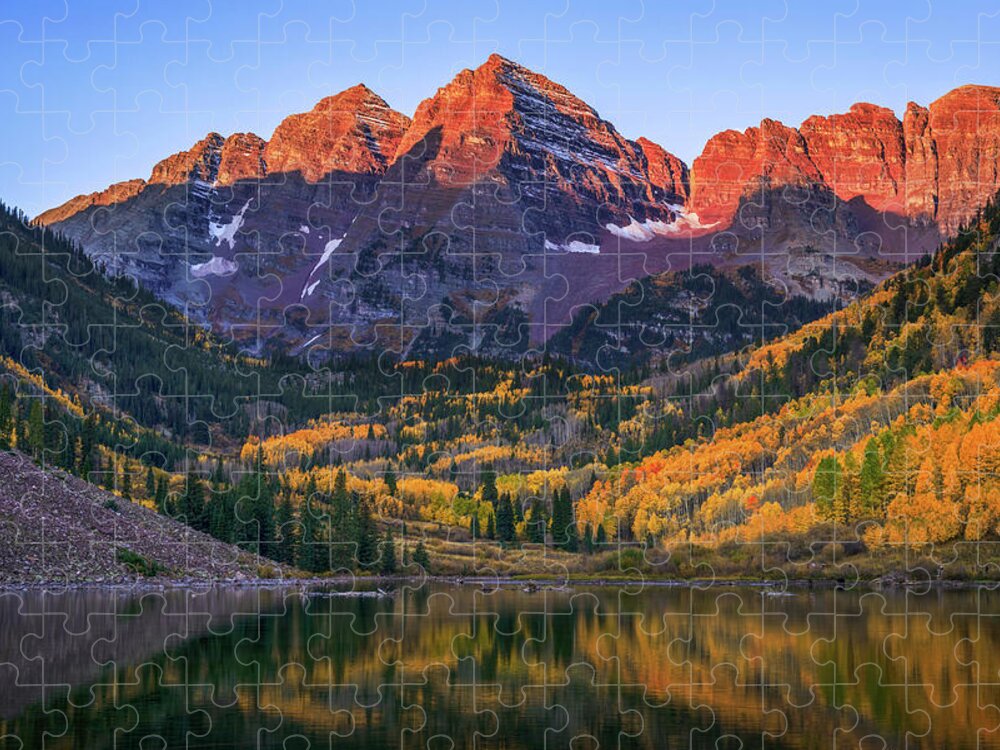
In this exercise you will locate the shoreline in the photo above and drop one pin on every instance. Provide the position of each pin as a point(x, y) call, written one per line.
point(535, 583)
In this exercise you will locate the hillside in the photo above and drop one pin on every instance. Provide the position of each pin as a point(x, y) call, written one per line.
point(880, 419)
point(56, 528)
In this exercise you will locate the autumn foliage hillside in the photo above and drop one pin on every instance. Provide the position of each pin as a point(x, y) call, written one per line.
point(881, 417)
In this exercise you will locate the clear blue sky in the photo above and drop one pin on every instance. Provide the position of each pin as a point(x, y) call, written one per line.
point(93, 91)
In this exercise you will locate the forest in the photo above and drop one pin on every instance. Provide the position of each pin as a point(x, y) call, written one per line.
point(873, 426)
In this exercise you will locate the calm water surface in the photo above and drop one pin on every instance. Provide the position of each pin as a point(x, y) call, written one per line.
point(442, 666)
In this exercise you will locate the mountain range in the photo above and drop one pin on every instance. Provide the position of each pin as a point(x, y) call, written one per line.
point(507, 208)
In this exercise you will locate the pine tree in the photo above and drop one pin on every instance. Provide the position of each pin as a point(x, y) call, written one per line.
point(367, 534)
point(218, 477)
point(87, 455)
point(256, 505)
point(343, 534)
point(221, 514)
point(150, 483)
point(53, 436)
point(6, 416)
point(388, 563)
point(284, 523)
point(491, 532)
point(126, 484)
point(314, 550)
point(36, 429)
point(572, 535)
point(421, 556)
point(601, 537)
point(536, 524)
point(20, 430)
point(505, 530)
point(389, 477)
point(489, 492)
point(560, 519)
point(161, 495)
point(112, 473)
point(192, 503)
point(588, 539)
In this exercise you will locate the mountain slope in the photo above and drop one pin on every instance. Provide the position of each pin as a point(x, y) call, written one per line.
point(231, 230)
point(507, 203)
point(884, 416)
point(57, 528)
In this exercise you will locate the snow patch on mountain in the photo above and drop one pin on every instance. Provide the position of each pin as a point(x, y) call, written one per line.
point(215, 267)
point(327, 252)
point(649, 229)
point(227, 232)
point(576, 246)
point(309, 289)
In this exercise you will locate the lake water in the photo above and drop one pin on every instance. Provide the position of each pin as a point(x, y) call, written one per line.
point(442, 666)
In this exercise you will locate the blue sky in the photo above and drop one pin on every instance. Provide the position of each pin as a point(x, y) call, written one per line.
point(93, 91)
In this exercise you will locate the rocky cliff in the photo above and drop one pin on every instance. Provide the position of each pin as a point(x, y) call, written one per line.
point(507, 203)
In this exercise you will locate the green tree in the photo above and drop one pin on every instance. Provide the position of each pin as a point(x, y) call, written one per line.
point(221, 515)
point(285, 525)
point(505, 530)
point(564, 533)
point(36, 429)
point(255, 506)
point(489, 487)
point(191, 507)
point(536, 523)
point(421, 557)
point(588, 539)
point(343, 522)
point(389, 477)
point(872, 479)
point(826, 485)
point(367, 534)
point(6, 416)
point(87, 452)
point(601, 537)
point(126, 483)
point(161, 495)
point(388, 563)
point(314, 550)
point(150, 483)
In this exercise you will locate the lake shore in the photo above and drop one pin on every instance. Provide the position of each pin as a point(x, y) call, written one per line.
point(369, 584)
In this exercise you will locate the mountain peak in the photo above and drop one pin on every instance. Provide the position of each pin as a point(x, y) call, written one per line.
point(497, 61)
point(353, 131)
point(352, 98)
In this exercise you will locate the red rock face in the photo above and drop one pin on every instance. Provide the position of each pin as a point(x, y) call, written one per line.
point(937, 166)
point(200, 162)
point(735, 166)
point(506, 125)
point(860, 153)
point(964, 125)
point(354, 132)
point(117, 193)
point(666, 172)
point(241, 158)
point(503, 183)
